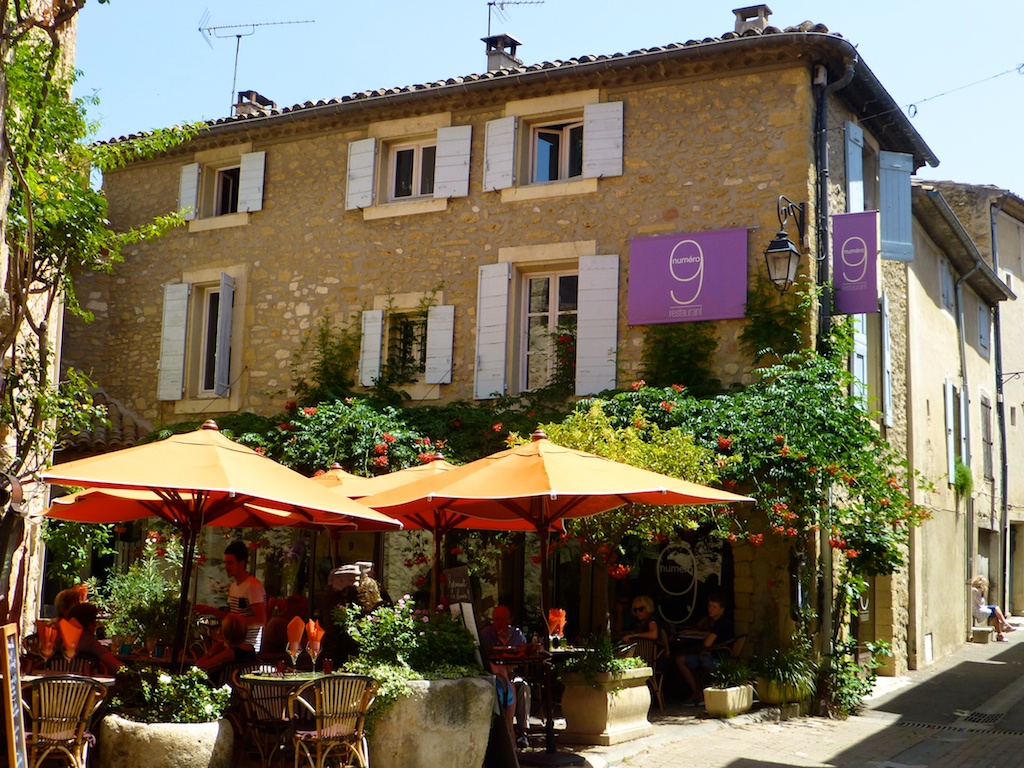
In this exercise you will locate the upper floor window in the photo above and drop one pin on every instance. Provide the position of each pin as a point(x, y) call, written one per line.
point(557, 152)
point(221, 183)
point(984, 329)
point(946, 284)
point(411, 169)
point(225, 197)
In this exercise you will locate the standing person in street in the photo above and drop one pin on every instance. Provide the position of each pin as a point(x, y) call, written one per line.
point(246, 595)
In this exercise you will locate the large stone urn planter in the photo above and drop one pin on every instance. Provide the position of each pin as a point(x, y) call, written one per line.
point(442, 724)
point(127, 744)
point(728, 702)
point(611, 710)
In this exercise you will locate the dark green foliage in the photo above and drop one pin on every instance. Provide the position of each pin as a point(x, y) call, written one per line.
point(681, 353)
point(774, 322)
point(333, 355)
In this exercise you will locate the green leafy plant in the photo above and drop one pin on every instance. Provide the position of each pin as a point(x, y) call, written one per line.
point(150, 695)
point(598, 656)
point(681, 353)
point(847, 681)
point(794, 670)
point(731, 672)
point(70, 547)
point(963, 479)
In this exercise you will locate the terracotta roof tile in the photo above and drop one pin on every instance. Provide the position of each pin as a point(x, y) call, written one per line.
point(124, 429)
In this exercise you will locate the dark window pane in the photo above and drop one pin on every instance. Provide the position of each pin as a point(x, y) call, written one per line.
point(404, 159)
point(209, 362)
point(568, 287)
point(427, 171)
point(576, 151)
point(548, 143)
point(539, 288)
point(227, 191)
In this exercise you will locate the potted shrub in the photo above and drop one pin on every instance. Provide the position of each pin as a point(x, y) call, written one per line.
point(786, 677)
point(730, 692)
point(433, 704)
point(167, 721)
point(606, 697)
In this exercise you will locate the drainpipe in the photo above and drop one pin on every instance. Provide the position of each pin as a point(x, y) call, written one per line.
point(820, 76)
point(997, 350)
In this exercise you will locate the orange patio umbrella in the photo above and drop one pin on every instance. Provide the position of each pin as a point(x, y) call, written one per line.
point(541, 483)
point(202, 478)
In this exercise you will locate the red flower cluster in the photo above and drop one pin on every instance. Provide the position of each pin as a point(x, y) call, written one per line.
point(258, 449)
point(636, 385)
point(381, 461)
point(291, 405)
point(309, 411)
point(618, 571)
point(836, 542)
point(757, 539)
point(678, 387)
point(422, 441)
point(498, 427)
point(380, 449)
point(426, 458)
point(724, 443)
point(666, 406)
point(387, 437)
point(586, 557)
point(852, 553)
point(780, 439)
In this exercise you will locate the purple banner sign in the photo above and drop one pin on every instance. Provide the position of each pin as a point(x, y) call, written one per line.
point(855, 262)
point(688, 277)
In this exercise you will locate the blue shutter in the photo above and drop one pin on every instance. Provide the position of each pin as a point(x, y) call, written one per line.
point(984, 328)
point(451, 163)
point(171, 376)
point(854, 168)
point(491, 330)
point(371, 347)
point(499, 154)
point(250, 182)
point(597, 324)
point(894, 170)
point(222, 355)
point(887, 408)
point(188, 190)
point(440, 338)
point(602, 140)
point(362, 162)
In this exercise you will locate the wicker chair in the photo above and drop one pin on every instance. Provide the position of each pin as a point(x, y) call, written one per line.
point(654, 652)
point(60, 709)
point(264, 721)
point(338, 705)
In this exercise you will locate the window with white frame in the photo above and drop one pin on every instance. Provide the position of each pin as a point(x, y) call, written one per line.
point(407, 345)
point(209, 323)
point(549, 330)
point(557, 151)
point(411, 169)
point(219, 187)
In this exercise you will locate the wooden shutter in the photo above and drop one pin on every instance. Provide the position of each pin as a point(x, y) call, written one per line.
point(499, 154)
point(984, 329)
point(894, 170)
point(440, 338)
point(491, 330)
point(451, 163)
point(250, 184)
point(371, 347)
point(887, 409)
point(362, 163)
point(854, 168)
point(602, 140)
point(948, 397)
point(597, 324)
point(222, 356)
point(859, 359)
point(171, 377)
point(188, 190)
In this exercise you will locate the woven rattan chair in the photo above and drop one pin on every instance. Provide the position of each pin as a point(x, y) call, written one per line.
point(337, 704)
point(264, 719)
point(653, 652)
point(60, 709)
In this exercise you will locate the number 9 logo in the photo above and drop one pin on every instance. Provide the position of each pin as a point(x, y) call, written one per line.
point(854, 254)
point(685, 261)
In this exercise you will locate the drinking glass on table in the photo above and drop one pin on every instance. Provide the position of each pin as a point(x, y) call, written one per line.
point(313, 649)
point(294, 649)
point(151, 644)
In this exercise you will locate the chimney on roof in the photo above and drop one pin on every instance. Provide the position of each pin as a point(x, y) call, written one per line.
point(501, 52)
point(752, 17)
point(251, 103)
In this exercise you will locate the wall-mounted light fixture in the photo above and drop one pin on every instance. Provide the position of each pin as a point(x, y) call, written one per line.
point(782, 256)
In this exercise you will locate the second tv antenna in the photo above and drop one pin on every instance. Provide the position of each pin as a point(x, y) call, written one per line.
point(238, 31)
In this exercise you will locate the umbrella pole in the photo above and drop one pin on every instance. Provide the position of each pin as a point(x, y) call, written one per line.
point(435, 577)
point(186, 578)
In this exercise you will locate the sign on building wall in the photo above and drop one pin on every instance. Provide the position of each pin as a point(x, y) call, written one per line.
point(688, 277)
point(855, 262)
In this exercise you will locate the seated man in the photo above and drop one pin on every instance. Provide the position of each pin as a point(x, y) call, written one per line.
point(88, 646)
point(718, 628)
point(513, 692)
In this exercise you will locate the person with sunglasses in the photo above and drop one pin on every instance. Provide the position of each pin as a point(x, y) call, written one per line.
point(644, 623)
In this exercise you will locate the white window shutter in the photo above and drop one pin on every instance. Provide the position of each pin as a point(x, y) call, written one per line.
point(371, 347)
point(894, 170)
point(854, 168)
point(491, 330)
point(362, 163)
point(887, 408)
point(440, 339)
point(188, 190)
point(949, 402)
point(984, 328)
point(222, 357)
point(859, 359)
point(499, 154)
point(602, 140)
point(173, 330)
point(597, 324)
point(250, 183)
point(451, 163)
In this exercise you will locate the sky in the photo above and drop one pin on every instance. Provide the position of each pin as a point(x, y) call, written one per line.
point(958, 67)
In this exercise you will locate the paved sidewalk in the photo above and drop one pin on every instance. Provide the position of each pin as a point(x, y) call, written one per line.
point(958, 713)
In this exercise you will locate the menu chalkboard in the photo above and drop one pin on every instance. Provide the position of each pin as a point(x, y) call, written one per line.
point(17, 754)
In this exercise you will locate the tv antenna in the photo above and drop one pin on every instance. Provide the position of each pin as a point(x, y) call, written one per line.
point(497, 8)
point(238, 31)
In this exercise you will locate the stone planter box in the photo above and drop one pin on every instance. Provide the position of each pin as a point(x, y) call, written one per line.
point(728, 702)
point(443, 724)
point(772, 692)
point(613, 712)
point(127, 744)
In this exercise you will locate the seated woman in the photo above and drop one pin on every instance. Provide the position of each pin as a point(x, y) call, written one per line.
point(983, 612)
point(718, 629)
point(232, 648)
point(644, 623)
point(89, 647)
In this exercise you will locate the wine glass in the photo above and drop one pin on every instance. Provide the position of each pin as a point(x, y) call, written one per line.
point(151, 643)
point(46, 649)
point(313, 649)
point(294, 649)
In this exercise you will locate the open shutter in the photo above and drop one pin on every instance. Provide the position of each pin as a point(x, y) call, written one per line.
point(854, 168)
point(222, 357)
point(172, 342)
point(491, 330)
point(362, 162)
point(250, 183)
point(499, 154)
point(597, 324)
point(602, 140)
point(859, 359)
point(188, 190)
point(887, 410)
point(948, 399)
point(894, 170)
point(451, 163)
point(440, 338)
point(371, 347)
